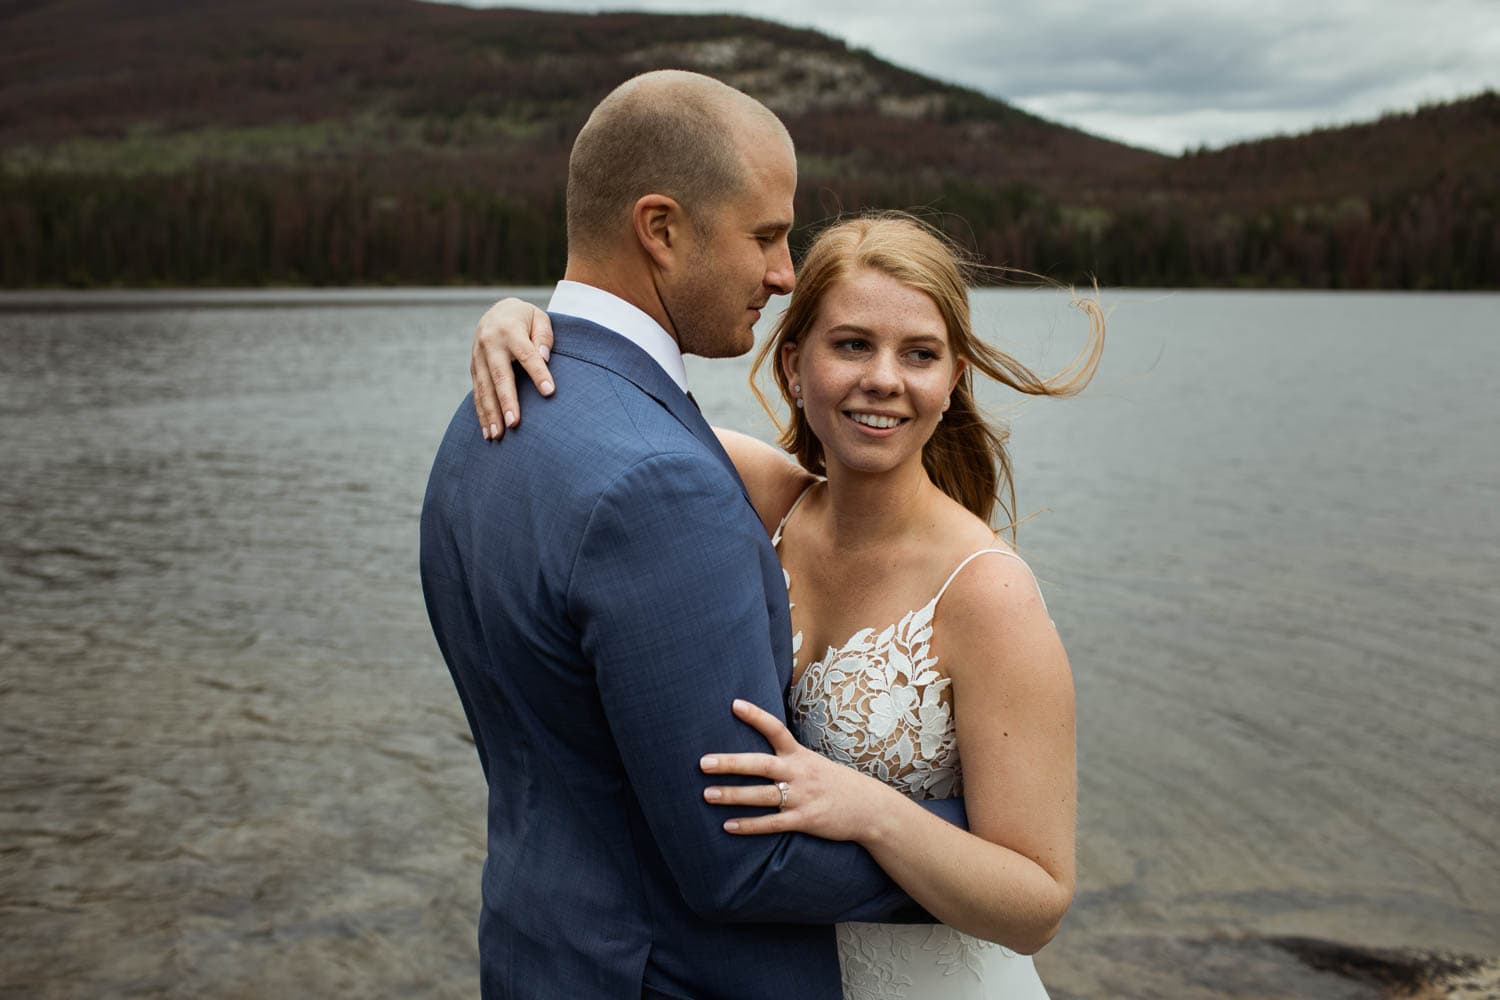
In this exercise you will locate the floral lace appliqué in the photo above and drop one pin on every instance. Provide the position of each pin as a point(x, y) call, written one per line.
point(958, 952)
point(868, 960)
point(879, 705)
point(878, 961)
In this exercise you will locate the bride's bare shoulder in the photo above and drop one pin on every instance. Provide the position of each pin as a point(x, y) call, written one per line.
point(995, 615)
point(997, 584)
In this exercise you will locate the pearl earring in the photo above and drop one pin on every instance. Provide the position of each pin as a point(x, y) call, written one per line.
point(799, 404)
point(796, 389)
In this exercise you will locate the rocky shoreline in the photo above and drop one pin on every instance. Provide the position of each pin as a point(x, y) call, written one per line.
point(1417, 975)
point(1135, 966)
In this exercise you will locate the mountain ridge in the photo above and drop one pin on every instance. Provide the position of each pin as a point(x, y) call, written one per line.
point(369, 141)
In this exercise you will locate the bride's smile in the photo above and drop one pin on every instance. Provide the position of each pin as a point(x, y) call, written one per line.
point(875, 421)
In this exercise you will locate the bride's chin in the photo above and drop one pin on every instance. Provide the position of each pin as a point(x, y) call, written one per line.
point(864, 464)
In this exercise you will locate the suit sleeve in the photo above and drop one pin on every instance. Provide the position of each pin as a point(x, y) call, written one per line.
point(669, 597)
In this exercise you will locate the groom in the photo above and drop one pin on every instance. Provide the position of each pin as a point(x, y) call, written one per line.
point(601, 590)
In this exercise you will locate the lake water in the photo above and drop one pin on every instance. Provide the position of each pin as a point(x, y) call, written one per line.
point(235, 766)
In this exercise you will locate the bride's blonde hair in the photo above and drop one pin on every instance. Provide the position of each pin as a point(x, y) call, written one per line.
point(966, 457)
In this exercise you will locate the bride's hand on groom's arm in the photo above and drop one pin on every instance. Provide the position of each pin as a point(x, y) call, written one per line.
point(823, 798)
point(512, 330)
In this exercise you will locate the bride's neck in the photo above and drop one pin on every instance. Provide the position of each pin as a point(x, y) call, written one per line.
point(868, 510)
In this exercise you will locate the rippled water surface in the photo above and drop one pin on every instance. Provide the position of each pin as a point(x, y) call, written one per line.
point(235, 765)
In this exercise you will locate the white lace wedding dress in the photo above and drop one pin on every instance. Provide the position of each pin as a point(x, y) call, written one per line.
point(877, 704)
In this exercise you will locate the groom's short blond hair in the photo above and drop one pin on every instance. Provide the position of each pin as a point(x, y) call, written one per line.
point(667, 132)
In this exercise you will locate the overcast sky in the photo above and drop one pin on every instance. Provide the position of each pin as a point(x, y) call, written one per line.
point(1166, 74)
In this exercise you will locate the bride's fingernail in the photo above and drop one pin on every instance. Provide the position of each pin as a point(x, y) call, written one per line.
point(741, 704)
point(510, 419)
point(545, 352)
point(712, 794)
point(494, 431)
point(731, 825)
point(708, 762)
point(546, 388)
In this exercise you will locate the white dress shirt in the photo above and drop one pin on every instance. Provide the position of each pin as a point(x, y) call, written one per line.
point(573, 298)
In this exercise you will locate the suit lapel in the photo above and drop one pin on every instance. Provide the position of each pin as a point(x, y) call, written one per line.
point(598, 345)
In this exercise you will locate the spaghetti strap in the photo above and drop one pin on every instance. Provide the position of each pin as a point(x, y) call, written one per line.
point(776, 538)
point(975, 555)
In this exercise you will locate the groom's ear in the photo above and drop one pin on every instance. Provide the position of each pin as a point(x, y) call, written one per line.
point(658, 221)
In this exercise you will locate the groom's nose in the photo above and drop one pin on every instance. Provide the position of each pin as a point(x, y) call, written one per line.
point(780, 277)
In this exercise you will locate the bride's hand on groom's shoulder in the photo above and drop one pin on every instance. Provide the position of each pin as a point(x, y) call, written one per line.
point(511, 331)
point(822, 797)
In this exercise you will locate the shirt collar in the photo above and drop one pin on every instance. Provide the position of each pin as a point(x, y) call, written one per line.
point(573, 298)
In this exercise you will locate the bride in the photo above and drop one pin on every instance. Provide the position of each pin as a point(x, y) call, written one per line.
point(918, 633)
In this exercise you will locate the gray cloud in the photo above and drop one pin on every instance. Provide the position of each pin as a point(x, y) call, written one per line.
point(1169, 73)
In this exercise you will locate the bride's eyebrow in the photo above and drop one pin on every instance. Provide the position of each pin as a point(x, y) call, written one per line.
point(926, 340)
point(846, 328)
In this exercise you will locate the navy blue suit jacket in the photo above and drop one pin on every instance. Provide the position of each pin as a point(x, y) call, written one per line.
point(601, 590)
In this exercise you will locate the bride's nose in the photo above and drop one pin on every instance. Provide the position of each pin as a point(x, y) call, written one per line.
point(882, 376)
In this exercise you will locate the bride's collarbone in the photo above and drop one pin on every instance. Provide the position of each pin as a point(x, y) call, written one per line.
point(846, 566)
point(833, 598)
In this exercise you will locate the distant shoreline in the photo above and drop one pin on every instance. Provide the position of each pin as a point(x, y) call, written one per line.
point(103, 299)
point(267, 297)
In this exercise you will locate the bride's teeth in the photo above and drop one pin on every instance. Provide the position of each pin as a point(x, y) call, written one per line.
point(870, 420)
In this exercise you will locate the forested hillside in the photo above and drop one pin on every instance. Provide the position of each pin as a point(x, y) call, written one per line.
point(229, 142)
